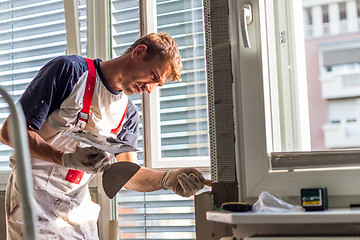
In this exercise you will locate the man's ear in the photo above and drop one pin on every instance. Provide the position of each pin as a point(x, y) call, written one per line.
point(139, 51)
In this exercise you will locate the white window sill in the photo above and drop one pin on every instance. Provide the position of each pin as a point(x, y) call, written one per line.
point(338, 216)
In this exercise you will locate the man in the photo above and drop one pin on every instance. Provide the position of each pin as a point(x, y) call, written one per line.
point(56, 101)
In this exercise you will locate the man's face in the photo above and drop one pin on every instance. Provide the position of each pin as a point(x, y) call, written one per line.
point(141, 76)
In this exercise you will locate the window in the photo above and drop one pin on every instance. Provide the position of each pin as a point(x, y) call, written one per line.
point(182, 106)
point(287, 135)
point(175, 117)
point(34, 32)
point(31, 33)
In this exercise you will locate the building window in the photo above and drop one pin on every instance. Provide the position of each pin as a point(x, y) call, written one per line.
point(180, 137)
point(282, 140)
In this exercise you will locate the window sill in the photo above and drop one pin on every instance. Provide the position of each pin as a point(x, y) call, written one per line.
point(338, 216)
point(339, 222)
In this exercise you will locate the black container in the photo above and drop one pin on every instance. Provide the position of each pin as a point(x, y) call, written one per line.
point(314, 199)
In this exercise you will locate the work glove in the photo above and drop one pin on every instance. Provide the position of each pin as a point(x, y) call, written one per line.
point(184, 181)
point(88, 159)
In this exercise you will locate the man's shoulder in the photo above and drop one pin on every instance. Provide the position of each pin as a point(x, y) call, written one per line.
point(67, 67)
point(132, 110)
point(69, 60)
point(131, 105)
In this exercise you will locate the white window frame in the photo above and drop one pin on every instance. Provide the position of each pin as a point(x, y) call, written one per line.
point(72, 25)
point(250, 67)
point(98, 46)
point(151, 109)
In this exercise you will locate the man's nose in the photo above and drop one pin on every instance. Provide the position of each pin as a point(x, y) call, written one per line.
point(149, 87)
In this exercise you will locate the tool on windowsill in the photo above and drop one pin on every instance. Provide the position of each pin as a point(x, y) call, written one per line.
point(314, 199)
point(236, 207)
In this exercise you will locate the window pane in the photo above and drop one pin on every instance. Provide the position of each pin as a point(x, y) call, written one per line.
point(330, 83)
point(83, 27)
point(156, 215)
point(31, 33)
point(125, 29)
point(163, 214)
point(184, 125)
point(332, 44)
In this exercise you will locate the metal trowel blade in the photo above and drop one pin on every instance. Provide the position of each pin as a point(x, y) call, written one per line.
point(117, 175)
point(107, 144)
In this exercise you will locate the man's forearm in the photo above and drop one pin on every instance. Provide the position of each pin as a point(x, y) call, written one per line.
point(145, 180)
point(42, 150)
point(39, 148)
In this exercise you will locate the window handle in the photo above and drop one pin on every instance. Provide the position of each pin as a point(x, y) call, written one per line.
point(245, 19)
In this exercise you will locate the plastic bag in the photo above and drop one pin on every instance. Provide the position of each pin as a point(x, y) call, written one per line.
point(269, 203)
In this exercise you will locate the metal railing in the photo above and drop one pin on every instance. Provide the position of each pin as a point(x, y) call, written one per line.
point(19, 137)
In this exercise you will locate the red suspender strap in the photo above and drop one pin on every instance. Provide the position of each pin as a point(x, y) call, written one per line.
point(90, 84)
point(115, 130)
point(75, 176)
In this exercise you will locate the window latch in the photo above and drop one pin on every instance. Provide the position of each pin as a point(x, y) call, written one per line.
point(245, 19)
point(282, 37)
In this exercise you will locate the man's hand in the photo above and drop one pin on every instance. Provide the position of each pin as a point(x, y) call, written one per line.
point(89, 159)
point(184, 181)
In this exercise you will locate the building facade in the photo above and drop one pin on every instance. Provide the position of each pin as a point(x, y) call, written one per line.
point(332, 43)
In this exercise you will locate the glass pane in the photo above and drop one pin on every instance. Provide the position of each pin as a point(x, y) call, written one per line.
point(125, 29)
point(156, 215)
point(318, 108)
point(31, 33)
point(163, 214)
point(332, 43)
point(183, 106)
point(83, 27)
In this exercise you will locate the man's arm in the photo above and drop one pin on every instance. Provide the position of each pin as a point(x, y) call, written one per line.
point(183, 181)
point(39, 148)
point(146, 179)
point(89, 159)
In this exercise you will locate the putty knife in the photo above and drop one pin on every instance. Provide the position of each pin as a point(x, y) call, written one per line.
point(115, 175)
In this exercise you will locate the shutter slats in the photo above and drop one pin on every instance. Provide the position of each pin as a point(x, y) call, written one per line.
point(32, 27)
point(27, 5)
point(31, 17)
point(152, 204)
point(32, 32)
point(162, 229)
point(184, 121)
point(31, 38)
point(154, 229)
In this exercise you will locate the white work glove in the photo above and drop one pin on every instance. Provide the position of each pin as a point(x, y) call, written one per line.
point(88, 159)
point(184, 181)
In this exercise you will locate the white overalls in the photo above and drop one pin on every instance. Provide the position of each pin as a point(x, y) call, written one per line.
point(63, 206)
